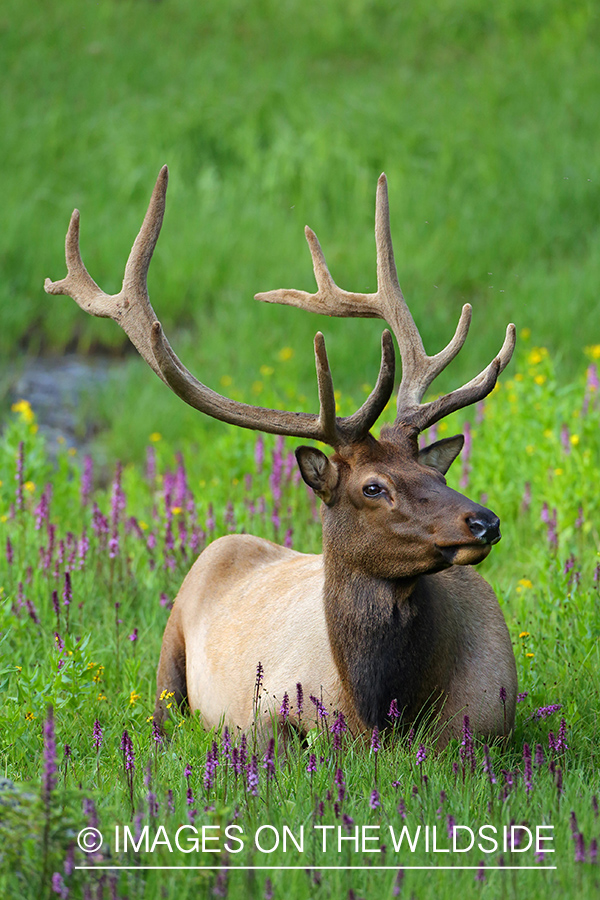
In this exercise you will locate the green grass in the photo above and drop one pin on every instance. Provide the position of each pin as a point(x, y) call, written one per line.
point(271, 117)
point(534, 432)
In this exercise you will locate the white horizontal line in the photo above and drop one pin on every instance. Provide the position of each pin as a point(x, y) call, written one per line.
point(326, 868)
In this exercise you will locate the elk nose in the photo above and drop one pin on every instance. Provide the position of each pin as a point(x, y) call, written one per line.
point(486, 528)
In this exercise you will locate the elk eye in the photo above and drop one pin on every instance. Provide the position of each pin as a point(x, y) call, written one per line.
point(373, 490)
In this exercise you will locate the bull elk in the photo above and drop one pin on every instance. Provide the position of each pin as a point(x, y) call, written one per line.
point(392, 609)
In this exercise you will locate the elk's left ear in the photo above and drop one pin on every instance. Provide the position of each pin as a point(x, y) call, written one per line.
point(318, 472)
point(442, 454)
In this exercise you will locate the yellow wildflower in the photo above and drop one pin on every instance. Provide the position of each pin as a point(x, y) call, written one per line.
point(519, 376)
point(525, 333)
point(574, 439)
point(530, 655)
point(24, 408)
point(266, 370)
point(593, 351)
point(526, 582)
point(539, 379)
point(133, 698)
point(101, 697)
point(29, 716)
point(176, 510)
point(155, 437)
point(72, 451)
point(150, 719)
point(98, 674)
point(29, 487)
point(558, 471)
point(285, 353)
point(226, 380)
point(537, 355)
point(19, 669)
point(524, 634)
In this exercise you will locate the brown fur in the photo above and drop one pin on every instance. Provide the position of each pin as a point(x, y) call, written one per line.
point(381, 615)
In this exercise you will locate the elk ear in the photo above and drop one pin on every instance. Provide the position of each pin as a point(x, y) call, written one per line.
point(442, 454)
point(318, 472)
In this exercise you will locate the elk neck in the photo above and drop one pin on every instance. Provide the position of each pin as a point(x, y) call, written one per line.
point(384, 637)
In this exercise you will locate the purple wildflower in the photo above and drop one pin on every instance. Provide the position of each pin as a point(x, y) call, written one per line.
point(58, 885)
point(9, 552)
point(284, 710)
point(579, 847)
point(341, 785)
point(269, 760)
point(539, 756)
point(421, 754)
point(312, 764)
point(252, 776)
point(374, 801)
point(522, 696)
point(321, 711)
point(561, 744)
point(467, 749)
point(375, 742)
point(49, 771)
point(593, 851)
point(68, 590)
point(545, 711)
point(394, 712)
point(259, 453)
point(338, 728)
point(398, 883)
point(86, 480)
point(97, 736)
point(19, 500)
point(527, 772)
point(299, 699)
point(450, 824)
point(128, 754)
point(157, 734)
point(133, 636)
point(480, 874)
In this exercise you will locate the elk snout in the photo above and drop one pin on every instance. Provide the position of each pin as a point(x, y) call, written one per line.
point(485, 526)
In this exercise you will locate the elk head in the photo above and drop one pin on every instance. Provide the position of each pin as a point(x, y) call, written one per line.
point(387, 509)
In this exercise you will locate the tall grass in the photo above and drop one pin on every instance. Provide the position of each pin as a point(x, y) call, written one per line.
point(78, 666)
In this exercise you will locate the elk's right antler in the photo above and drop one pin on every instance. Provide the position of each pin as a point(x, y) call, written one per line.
point(388, 303)
point(132, 310)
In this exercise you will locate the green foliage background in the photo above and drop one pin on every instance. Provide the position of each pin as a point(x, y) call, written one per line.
point(273, 115)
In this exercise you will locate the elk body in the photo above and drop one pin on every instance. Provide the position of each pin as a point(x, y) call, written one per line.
point(392, 609)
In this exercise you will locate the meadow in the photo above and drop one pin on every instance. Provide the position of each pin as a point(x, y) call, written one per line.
point(87, 577)
point(271, 117)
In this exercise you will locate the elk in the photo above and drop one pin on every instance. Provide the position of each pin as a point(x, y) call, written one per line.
point(392, 609)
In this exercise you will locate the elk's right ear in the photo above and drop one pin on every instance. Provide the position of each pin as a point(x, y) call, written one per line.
point(318, 471)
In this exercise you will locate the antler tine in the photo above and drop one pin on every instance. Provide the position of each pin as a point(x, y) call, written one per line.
point(132, 310)
point(131, 307)
point(418, 369)
point(424, 415)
